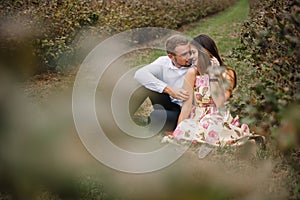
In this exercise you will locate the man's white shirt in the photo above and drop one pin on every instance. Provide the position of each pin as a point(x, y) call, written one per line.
point(160, 73)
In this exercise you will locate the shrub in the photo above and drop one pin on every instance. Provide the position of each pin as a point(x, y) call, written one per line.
point(270, 46)
point(54, 25)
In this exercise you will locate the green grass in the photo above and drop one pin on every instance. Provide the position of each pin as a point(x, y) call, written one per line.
point(224, 28)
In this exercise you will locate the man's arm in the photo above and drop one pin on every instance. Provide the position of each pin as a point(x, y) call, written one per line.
point(151, 77)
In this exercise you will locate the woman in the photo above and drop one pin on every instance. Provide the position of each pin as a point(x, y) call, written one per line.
point(209, 44)
point(204, 118)
point(225, 77)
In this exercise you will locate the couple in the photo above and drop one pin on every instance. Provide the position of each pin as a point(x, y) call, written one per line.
point(192, 84)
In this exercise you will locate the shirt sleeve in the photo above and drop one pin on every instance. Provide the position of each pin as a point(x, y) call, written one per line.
point(151, 76)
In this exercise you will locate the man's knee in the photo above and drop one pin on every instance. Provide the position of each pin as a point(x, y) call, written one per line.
point(167, 117)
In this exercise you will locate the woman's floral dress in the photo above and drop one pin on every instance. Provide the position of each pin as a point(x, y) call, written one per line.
point(206, 124)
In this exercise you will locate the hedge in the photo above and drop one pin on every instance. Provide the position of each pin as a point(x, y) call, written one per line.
point(49, 29)
point(270, 47)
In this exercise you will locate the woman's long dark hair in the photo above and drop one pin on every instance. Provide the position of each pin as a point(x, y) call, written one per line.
point(209, 44)
point(203, 58)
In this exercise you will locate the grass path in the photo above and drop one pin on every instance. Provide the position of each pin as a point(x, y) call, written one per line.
point(224, 28)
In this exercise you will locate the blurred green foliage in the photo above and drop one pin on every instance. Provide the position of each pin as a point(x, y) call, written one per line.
point(55, 24)
point(270, 48)
point(270, 41)
point(39, 162)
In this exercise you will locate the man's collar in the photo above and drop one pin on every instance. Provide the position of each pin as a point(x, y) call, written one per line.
point(172, 66)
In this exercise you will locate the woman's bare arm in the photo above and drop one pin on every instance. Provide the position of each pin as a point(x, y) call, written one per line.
point(189, 81)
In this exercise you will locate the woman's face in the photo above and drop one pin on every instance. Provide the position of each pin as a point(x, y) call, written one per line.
point(194, 54)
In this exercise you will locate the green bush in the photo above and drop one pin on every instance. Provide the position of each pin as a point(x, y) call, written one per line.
point(54, 25)
point(270, 47)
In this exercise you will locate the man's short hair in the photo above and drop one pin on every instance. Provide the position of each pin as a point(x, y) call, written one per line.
point(174, 41)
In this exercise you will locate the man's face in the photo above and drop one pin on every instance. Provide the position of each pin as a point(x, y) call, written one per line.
point(182, 56)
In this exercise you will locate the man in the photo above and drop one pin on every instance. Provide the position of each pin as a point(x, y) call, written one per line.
point(163, 81)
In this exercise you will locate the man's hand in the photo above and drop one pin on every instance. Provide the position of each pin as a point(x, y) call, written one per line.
point(177, 93)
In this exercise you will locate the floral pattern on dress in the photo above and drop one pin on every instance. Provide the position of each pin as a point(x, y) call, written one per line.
point(207, 124)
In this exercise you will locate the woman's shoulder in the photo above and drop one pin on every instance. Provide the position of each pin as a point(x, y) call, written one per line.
point(230, 72)
point(192, 71)
point(230, 69)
